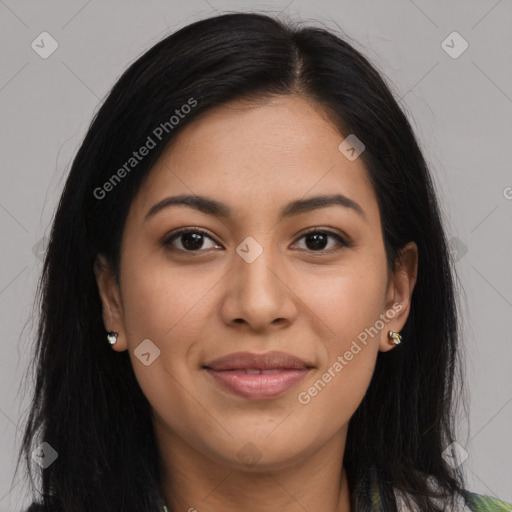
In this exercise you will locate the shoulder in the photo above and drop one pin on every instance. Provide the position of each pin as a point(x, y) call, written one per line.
point(480, 503)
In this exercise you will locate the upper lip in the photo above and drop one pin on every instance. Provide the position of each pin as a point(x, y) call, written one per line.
point(266, 361)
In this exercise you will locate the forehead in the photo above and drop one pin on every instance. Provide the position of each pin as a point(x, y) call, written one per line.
point(257, 157)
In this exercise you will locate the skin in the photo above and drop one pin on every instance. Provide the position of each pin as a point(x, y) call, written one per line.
point(198, 305)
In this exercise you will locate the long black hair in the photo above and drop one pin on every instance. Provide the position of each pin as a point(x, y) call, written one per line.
point(87, 404)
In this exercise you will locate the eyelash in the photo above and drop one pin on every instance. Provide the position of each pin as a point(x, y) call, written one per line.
point(341, 241)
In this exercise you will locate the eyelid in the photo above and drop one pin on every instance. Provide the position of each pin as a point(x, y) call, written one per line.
point(343, 239)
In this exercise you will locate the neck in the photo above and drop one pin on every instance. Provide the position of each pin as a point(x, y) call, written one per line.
point(194, 482)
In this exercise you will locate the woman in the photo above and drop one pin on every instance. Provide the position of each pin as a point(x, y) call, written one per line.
point(247, 300)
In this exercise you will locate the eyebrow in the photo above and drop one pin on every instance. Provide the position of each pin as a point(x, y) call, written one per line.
point(218, 209)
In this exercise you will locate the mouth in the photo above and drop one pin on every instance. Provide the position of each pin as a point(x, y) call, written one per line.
point(257, 376)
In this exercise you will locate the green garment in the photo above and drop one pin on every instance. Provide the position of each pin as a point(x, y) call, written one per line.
point(487, 504)
point(475, 503)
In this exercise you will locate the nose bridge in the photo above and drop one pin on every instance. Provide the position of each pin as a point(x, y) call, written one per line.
point(258, 290)
point(258, 264)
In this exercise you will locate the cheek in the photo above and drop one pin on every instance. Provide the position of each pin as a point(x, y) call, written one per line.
point(159, 307)
point(349, 306)
point(348, 302)
point(162, 303)
point(170, 308)
point(335, 392)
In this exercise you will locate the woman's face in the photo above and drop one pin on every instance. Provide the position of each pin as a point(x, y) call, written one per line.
point(256, 282)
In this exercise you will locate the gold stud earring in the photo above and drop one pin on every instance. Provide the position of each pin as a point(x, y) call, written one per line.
point(394, 337)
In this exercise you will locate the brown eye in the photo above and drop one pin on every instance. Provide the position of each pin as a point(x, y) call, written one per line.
point(316, 240)
point(191, 240)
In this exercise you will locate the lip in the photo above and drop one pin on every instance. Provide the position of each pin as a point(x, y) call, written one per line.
point(258, 376)
point(266, 361)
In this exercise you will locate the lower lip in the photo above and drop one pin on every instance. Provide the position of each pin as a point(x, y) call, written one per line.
point(259, 386)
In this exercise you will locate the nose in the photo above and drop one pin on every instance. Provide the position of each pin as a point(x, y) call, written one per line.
point(259, 294)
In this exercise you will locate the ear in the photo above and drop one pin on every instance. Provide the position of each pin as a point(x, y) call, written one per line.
point(111, 301)
point(398, 298)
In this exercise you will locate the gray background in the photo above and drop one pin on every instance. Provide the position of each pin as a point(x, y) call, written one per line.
point(460, 108)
